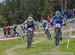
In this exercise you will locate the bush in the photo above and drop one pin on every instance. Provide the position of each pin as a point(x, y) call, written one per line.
point(2, 20)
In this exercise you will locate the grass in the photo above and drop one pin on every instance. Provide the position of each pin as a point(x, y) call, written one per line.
point(4, 45)
point(71, 48)
point(37, 49)
point(63, 46)
point(43, 46)
point(46, 47)
point(8, 44)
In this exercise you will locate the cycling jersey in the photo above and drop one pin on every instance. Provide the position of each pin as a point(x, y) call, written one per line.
point(44, 24)
point(58, 21)
point(57, 18)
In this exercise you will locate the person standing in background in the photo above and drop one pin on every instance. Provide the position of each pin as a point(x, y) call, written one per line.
point(48, 18)
point(5, 31)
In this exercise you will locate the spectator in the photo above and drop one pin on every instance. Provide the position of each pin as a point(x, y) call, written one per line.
point(8, 30)
point(71, 13)
point(48, 18)
point(5, 31)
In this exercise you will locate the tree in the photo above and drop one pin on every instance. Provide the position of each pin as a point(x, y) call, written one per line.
point(20, 9)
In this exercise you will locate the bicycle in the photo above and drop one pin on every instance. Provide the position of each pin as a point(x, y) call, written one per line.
point(58, 34)
point(48, 33)
point(29, 37)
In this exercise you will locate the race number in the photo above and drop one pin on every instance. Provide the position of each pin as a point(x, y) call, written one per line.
point(58, 25)
point(30, 29)
point(46, 27)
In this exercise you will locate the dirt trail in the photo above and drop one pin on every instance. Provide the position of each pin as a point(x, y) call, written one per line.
point(11, 50)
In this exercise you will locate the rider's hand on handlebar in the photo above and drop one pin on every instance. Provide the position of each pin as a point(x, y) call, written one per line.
point(64, 24)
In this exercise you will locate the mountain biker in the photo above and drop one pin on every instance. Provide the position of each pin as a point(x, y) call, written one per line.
point(57, 14)
point(58, 21)
point(30, 25)
point(46, 29)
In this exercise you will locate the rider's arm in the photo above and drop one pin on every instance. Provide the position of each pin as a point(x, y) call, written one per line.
point(51, 21)
point(25, 22)
point(34, 21)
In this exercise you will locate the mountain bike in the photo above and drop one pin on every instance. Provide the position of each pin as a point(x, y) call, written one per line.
point(47, 33)
point(58, 34)
point(29, 37)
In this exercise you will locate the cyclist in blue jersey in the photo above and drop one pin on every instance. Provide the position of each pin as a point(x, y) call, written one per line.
point(58, 15)
point(58, 22)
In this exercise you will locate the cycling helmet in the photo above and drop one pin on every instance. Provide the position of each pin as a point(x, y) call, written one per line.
point(30, 19)
point(57, 13)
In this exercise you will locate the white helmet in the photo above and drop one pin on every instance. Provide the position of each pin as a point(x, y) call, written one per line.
point(30, 18)
point(57, 13)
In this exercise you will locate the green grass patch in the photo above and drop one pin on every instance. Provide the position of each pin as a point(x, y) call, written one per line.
point(37, 49)
point(43, 46)
point(63, 47)
point(8, 44)
point(46, 46)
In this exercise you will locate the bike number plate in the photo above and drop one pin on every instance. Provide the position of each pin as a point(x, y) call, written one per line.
point(58, 25)
point(46, 28)
point(30, 29)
